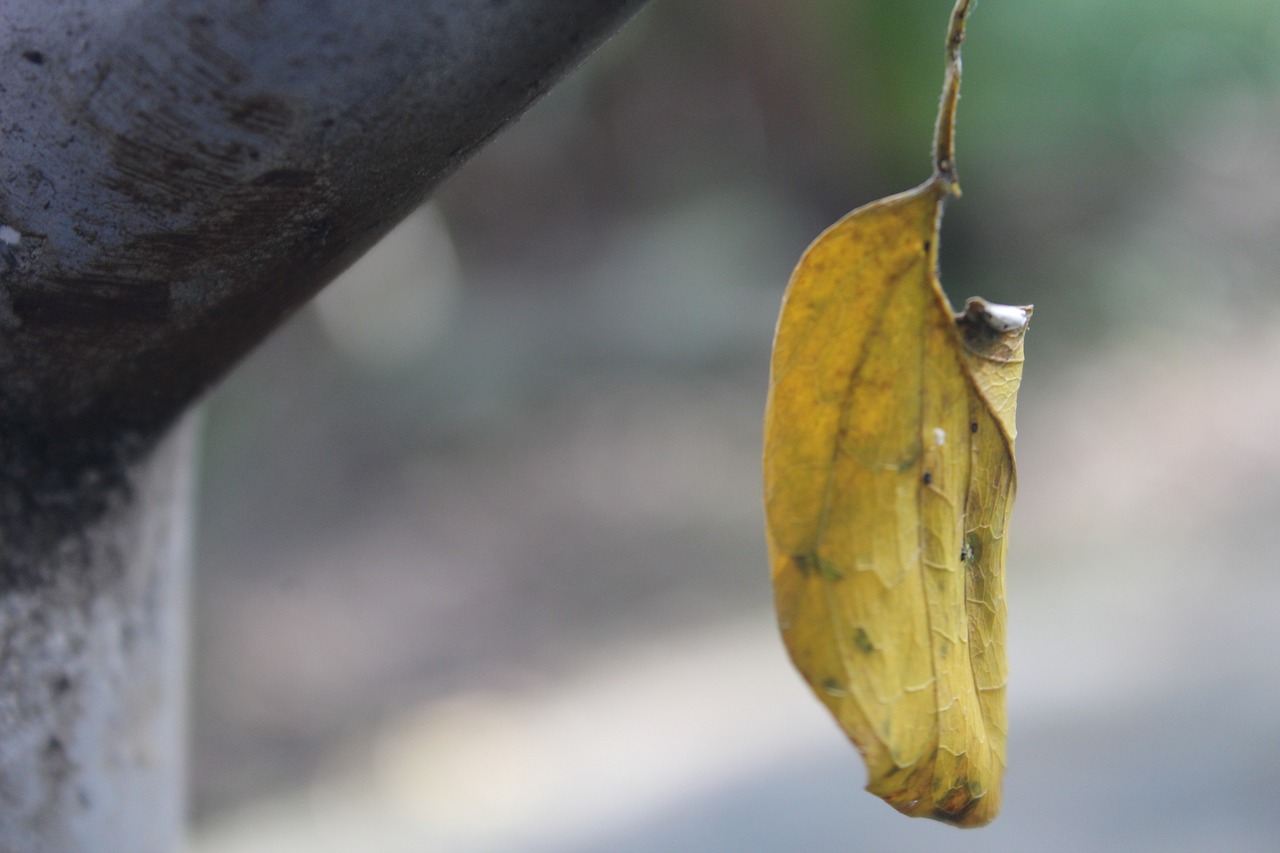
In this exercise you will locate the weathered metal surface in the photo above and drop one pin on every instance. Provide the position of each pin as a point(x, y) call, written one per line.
point(92, 674)
point(177, 176)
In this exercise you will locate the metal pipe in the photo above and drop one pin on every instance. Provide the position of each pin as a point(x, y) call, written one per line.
point(176, 177)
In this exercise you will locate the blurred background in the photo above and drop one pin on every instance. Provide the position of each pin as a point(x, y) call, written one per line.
point(480, 562)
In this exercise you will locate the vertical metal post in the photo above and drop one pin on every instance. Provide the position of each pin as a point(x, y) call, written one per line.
point(92, 659)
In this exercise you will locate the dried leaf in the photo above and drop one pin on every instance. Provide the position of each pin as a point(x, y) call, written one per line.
point(889, 478)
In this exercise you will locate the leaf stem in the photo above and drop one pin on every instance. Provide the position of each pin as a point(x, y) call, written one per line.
point(944, 142)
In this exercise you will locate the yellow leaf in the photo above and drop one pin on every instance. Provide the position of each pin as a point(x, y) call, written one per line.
point(889, 478)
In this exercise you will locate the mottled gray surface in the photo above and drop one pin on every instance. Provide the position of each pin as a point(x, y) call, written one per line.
point(93, 673)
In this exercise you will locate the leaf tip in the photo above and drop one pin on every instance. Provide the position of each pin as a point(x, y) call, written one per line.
point(1000, 319)
point(992, 330)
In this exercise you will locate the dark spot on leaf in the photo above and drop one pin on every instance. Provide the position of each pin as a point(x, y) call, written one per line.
point(973, 544)
point(862, 641)
point(973, 426)
point(956, 804)
point(802, 563)
point(928, 478)
point(828, 570)
point(35, 57)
